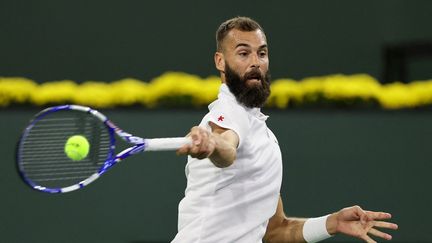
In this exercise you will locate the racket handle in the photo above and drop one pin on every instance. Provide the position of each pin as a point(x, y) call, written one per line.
point(162, 144)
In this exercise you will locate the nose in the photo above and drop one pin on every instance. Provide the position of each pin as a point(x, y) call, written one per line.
point(255, 63)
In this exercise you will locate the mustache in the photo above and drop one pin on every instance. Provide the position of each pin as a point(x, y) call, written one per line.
point(254, 74)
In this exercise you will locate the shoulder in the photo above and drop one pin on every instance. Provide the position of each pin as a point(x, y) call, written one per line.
point(229, 107)
point(230, 115)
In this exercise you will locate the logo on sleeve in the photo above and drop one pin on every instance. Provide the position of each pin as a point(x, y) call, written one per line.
point(221, 118)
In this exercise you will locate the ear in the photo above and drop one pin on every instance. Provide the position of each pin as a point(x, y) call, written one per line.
point(219, 61)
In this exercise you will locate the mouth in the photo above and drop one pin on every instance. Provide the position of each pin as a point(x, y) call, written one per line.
point(254, 80)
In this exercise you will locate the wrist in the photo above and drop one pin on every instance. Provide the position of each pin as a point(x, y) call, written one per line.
point(331, 224)
point(315, 229)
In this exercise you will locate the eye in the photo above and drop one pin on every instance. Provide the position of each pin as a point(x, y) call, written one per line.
point(262, 53)
point(243, 54)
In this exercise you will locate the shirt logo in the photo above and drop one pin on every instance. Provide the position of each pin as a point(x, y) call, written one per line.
point(221, 118)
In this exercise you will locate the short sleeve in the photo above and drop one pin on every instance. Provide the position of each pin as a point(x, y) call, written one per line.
point(230, 116)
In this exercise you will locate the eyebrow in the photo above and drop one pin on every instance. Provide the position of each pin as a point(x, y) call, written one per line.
point(247, 45)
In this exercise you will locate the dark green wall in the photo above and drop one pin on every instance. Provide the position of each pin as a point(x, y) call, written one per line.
point(108, 40)
point(332, 159)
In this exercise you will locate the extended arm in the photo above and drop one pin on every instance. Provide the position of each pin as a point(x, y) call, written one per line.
point(352, 221)
point(220, 145)
point(283, 229)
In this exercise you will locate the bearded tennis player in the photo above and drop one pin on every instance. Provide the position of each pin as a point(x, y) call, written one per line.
point(234, 168)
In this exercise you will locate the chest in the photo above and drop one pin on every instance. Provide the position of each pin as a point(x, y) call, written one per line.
point(260, 155)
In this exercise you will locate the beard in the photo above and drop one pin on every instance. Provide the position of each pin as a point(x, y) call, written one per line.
point(250, 95)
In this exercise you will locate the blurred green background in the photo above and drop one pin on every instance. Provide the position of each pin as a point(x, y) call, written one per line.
point(332, 158)
point(109, 40)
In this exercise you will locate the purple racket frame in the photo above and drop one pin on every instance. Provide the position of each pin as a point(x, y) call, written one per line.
point(139, 145)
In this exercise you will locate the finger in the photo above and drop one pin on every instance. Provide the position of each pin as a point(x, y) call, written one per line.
point(386, 225)
point(367, 239)
point(364, 218)
point(183, 150)
point(203, 153)
point(204, 140)
point(206, 148)
point(198, 151)
point(196, 139)
point(195, 135)
point(201, 136)
point(194, 150)
point(378, 215)
point(380, 234)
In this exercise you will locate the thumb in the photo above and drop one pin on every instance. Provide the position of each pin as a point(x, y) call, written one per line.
point(363, 219)
point(362, 216)
point(183, 150)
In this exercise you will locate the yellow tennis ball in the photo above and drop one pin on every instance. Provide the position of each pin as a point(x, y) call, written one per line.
point(77, 148)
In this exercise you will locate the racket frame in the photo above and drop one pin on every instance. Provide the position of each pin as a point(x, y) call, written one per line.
point(139, 145)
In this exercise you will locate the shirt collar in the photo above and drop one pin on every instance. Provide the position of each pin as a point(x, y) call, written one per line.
point(225, 93)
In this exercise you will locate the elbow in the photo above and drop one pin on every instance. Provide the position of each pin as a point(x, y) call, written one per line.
point(224, 161)
point(271, 237)
point(223, 165)
point(279, 230)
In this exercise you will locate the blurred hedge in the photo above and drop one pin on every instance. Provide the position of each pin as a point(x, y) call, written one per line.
point(175, 89)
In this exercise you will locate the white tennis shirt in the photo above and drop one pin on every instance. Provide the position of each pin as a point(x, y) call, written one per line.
point(233, 204)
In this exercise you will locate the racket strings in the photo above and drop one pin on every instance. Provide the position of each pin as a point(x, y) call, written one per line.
point(42, 156)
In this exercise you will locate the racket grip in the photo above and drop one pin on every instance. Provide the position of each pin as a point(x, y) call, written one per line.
point(164, 144)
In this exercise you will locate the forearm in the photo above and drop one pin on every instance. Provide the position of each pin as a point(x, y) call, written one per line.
point(224, 153)
point(352, 221)
point(285, 230)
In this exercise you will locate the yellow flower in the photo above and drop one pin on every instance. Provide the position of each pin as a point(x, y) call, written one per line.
point(15, 90)
point(182, 89)
point(129, 91)
point(95, 94)
point(54, 92)
point(177, 84)
point(340, 87)
point(282, 91)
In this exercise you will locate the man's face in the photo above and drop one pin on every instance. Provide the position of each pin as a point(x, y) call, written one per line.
point(245, 62)
point(249, 94)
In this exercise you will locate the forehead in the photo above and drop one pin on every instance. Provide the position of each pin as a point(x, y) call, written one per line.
point(253, 39)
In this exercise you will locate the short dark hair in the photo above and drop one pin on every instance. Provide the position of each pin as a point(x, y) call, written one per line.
point(239, 23)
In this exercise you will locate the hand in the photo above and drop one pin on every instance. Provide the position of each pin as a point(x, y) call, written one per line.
point(203, 144)
point(356, 222)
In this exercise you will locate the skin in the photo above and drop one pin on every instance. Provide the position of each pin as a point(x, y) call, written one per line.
point(244, 51)
point(352, 221)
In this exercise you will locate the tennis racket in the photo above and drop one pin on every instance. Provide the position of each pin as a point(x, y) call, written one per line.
point(44, 165)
